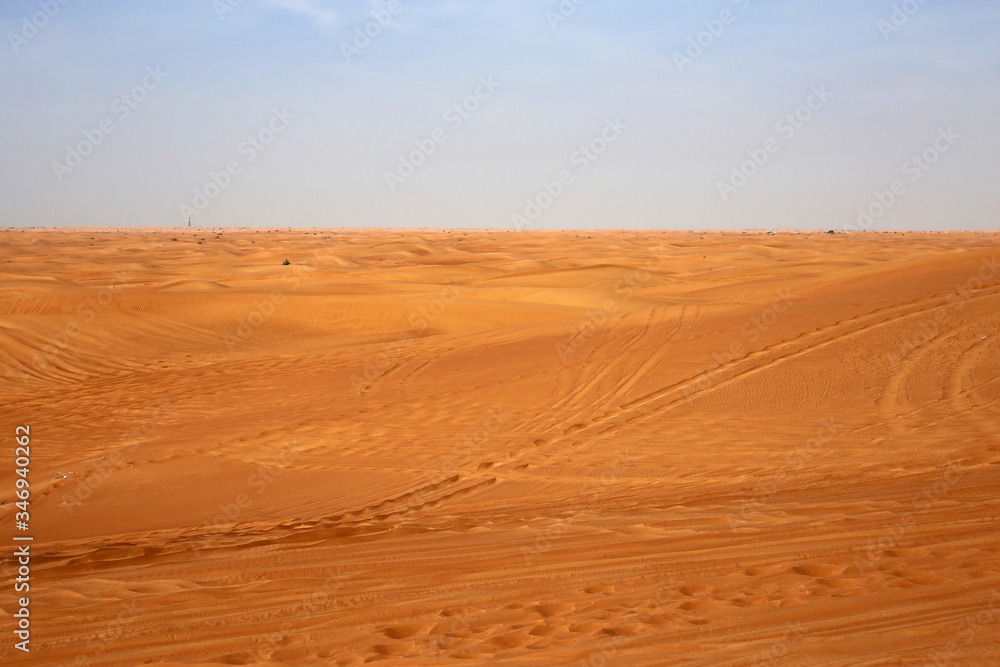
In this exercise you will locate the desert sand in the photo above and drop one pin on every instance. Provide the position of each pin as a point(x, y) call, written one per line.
point(413, 447)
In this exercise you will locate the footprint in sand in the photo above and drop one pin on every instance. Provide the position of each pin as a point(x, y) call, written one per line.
point(555, 609)
point(408, 630)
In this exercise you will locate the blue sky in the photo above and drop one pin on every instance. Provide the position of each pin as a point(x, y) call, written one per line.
point(315, 137)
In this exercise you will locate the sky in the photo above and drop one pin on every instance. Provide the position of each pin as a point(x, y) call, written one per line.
point(874, 115)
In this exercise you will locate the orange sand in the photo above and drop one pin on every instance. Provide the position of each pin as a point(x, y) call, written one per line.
point(583, 448)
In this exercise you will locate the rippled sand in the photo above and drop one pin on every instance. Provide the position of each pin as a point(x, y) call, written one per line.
point(582, 448)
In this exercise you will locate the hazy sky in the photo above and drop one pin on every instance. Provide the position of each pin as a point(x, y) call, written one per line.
point(581, 114)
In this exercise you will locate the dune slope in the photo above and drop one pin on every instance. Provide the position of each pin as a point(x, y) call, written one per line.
point(586, 448)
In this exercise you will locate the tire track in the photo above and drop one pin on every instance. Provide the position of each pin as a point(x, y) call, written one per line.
point(772, 355)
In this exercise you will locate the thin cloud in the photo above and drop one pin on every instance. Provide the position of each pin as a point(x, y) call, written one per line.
point(322, 17)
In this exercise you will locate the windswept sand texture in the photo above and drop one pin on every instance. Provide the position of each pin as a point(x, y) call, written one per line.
point(418, 448)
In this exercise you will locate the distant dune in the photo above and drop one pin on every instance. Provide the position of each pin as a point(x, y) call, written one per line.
point(412, 447)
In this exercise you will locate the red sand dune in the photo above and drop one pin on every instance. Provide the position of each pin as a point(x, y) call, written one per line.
point(583, 448)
